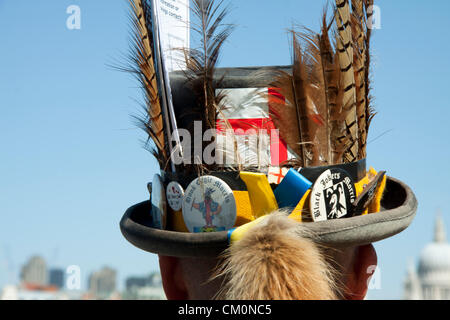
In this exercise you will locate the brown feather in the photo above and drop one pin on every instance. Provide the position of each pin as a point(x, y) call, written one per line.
point(317, 93)
point(201, 62)
point(359, 65)
point(143, 67)
point(298, 117)
point(201, 65)
point(284, 113)
point(345, 52)
point(370, 111)
point(331, 75)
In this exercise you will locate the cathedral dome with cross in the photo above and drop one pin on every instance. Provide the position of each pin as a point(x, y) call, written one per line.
point(431, 281)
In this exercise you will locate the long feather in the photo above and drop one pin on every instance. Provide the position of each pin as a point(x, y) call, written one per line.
point(358, 26)
point(202, 61)
point(370, 111)
point(297, 116)
point(283, 112)
point(317, 93)
point(142, 65)
point(345, 52)
point(331, 75)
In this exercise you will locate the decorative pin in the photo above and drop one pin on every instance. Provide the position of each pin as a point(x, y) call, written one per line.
point(209, 205)
point(368, 194)
point(175, 195)
point(159, 205)
point(332, 195)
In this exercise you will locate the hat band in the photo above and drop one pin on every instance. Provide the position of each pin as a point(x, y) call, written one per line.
point(247, 211)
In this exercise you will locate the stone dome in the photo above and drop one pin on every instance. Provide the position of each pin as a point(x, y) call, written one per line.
point(434, 263)
point(435, 257)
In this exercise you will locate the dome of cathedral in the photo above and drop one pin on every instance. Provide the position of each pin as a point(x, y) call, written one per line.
point(434, 263)
point(432, 281)
point(435, 257)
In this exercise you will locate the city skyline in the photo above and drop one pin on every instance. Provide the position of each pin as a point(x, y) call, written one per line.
point(37, 278)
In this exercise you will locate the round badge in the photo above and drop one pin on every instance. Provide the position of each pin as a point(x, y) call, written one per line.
point(158, 200)
point(209, 205)
point(175, 193)
point(332, 195)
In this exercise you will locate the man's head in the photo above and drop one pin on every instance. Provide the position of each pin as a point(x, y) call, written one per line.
point(274, 260)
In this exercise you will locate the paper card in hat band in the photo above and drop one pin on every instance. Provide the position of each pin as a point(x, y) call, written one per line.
point(209, 205)
point(276, 174)
point(332, 195)
point(159, 204)
point(175, 194)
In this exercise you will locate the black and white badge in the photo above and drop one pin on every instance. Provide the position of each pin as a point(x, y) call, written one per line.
point(332, 195)
point(175, 194)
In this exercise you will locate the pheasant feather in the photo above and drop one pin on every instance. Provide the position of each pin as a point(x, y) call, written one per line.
point(143, 67)
point(345, 52)
point(202, 61)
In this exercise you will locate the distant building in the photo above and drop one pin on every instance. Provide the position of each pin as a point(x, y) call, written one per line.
point(431, 281)
point(137, 282)
point(34, 272)
point(56, 278)
point(21, 293)
point(144, 288)
point(102, 283)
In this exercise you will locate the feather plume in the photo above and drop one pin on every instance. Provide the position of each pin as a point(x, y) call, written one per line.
point(201, 62)
point(331, 76)
point(142, 65)
point(283, 112)
point(370, 111)
point(359, 60)
point(317, 91)
point(297, 115)
point(345, 52)
point(327, 113)
point(276, 260)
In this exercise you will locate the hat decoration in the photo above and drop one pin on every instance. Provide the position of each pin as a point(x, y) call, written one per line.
point(291, 138)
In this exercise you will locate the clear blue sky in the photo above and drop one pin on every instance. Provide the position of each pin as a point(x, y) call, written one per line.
point(71, 158)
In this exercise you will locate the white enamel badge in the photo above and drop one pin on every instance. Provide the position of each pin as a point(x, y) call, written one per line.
point(332, 195)
point(209, 205)
point(175, 195)
point(158, 200)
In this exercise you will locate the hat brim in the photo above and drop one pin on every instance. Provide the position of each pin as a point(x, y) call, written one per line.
point(399, 206)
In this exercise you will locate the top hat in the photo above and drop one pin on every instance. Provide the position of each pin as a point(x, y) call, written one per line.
point(310, 121)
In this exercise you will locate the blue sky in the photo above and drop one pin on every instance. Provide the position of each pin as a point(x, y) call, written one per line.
point(72, 160)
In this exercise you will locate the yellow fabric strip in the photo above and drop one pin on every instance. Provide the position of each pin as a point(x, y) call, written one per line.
point(359, 186)
point(243, 208)
point(303, 205)
point(239, 232)
point(261, 195)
